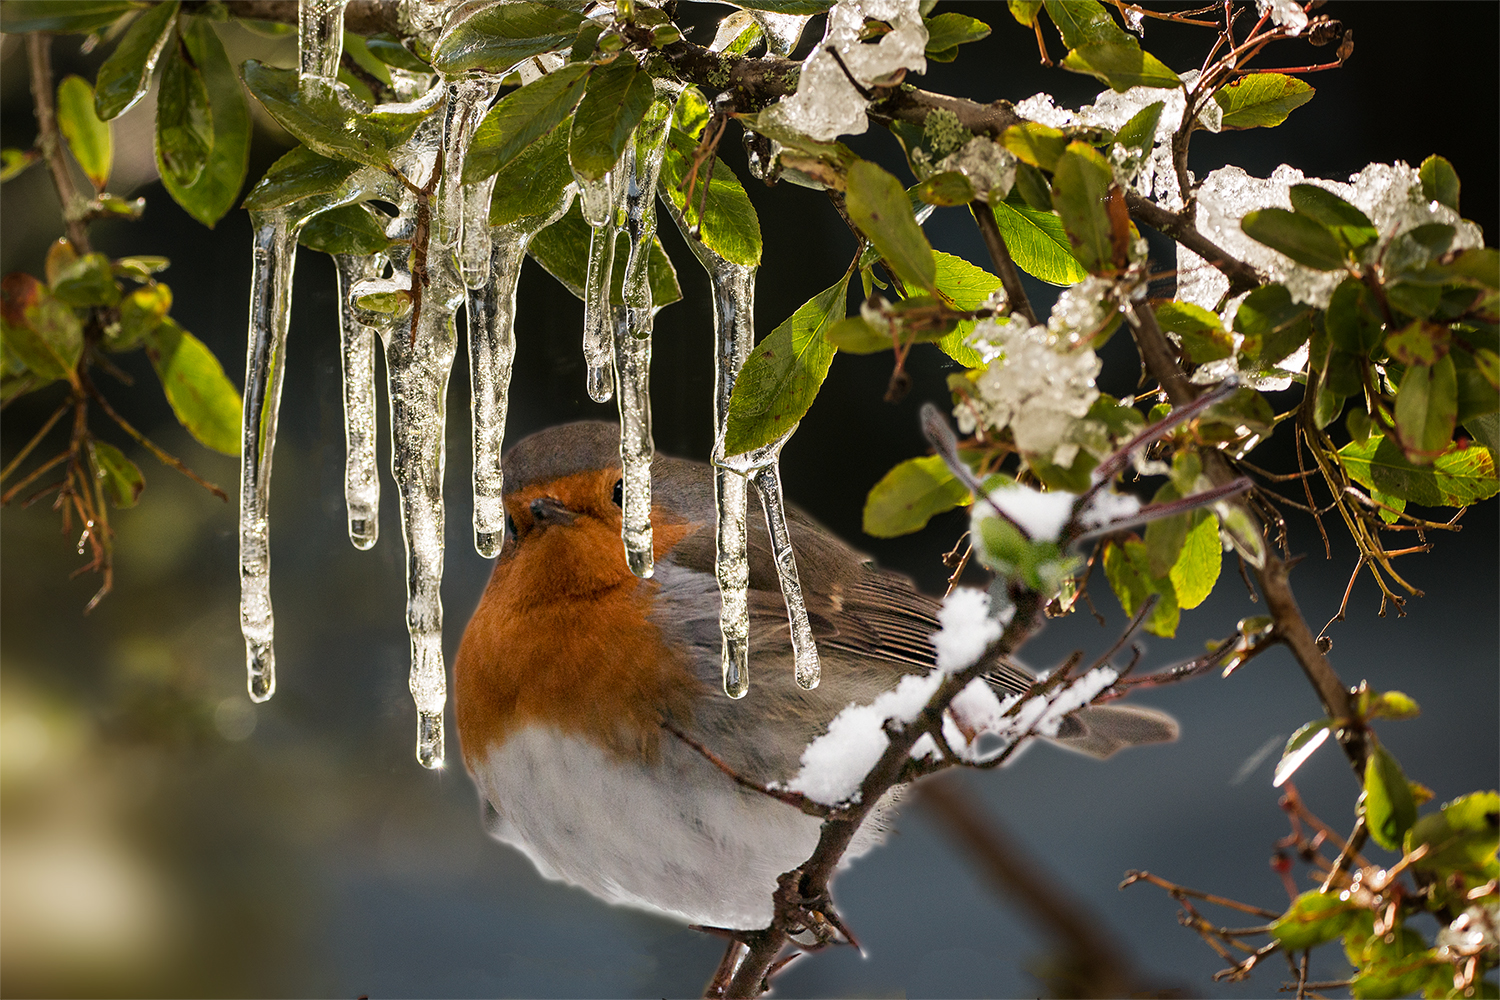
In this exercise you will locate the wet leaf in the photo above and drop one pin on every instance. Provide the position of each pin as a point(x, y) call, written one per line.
point(1203, 337)
point(214, 191)
point(1393, 705)
point(522, 117)
point(1080, 187)
point(184, 119)
point(617, 97)
point(203, 399)
point(1349, 225)
point(1440, 182)
point(347, 229)
point(910, 495)
point(389, 50)
point(1303, 744)
point(1034, 143)
point(87, 281)
point(298, 175)
point(329, 119)
point(1082, 21)
point(1311, 920)
point(1398, 967)
point(1427, 409)
point(1418, 343)
point(879, 206)
point(121, 479)
point(125, 76)
point(1038, 243)
point(1261, 100)
point(730, 226)
point(784, 372)
point(1032, 189)
point(62, 17)
point(1140, 131)
point(88, 137)
point(1304, 240)
point(497, 37)
point(1165, 536)
point(1389, 808)
point(562, 249)
point(534, 181)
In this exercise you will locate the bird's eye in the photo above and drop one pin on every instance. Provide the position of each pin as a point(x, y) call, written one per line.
point(619, 494)
point(510, 526)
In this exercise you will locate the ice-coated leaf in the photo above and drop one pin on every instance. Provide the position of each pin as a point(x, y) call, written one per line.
point(1202, 335)
point(328, 118)
point(617, 97)
point(562, 250)
point(1301, 238)
point(910, 495)
point(1313, 919)
point(692, 112)
point(879, 206)
point(1353, 319)
point(1273, 325)
point(88, 137)
point(1427, 409)
point(1127, 568)
point(1261, 100)
point(43, 332)
point(499, 36)
point(346, 229)
point(1140, 131)
point(1348, 224)
point(729, 226)
point(1080, 187)
point(125, 76)
point(214, 191)
point(534, 179)
point(1196, 570)
point(184, 119)
point(1038, 243)
point(121, 479)
point(1024, 11)
point(61, 17)
point(1034, 143)
point(1303, 744)
point(203, 399)
point(1439, 181)
point(1460, 476)
point(783, 373)
point(300, 173)
point(786, 6)
point(949, 188)
point(522, 117)
point(1122, 65)
point(1464, 834)
point(947, 31)
point(1390, 809)
point(389, 50)
point(87, 281)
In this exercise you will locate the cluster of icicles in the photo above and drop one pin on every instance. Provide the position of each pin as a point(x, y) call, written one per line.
point(471, 265)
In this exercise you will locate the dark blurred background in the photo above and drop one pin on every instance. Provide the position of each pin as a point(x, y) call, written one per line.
point(163, 836)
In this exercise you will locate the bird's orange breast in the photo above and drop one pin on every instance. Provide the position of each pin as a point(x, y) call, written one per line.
point(562, 637)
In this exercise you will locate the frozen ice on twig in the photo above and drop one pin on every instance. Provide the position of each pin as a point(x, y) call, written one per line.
point(987, 164)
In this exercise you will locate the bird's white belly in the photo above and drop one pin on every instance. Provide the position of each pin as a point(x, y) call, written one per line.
point(678, 837)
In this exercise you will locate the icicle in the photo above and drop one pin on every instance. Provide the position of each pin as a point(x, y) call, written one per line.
point(361, 480)
point(320, 38)
point(275, 253)
point(767, 480)
point(633, 391)
point(601, 204)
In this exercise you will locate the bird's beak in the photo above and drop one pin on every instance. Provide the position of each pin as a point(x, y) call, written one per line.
point(547, 511)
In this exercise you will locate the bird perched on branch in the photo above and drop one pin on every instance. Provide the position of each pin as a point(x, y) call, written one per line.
point(579, 687)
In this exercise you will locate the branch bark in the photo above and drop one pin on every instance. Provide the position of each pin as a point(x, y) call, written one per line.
point(1242, 277)
point(1005, 267)
point(49, 140)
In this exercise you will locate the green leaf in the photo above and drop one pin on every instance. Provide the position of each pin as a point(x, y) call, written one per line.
point(214, 191)
point(966, 288)
point(617, 97)
point(1245, 408)
point(1302, 745)
point(1202, 335)
point(1127, 567)
point(389, 50)
point(1032, 188)
point(1038, 243)
point(522, 117)
point(562, 249)
point(1439, 181)
point(1418, 343)
point(784, 371)
point(1024, 11)
point(1304, 240)
point(184, 119)
point(1165, 536)
point(1427, 410)
point(1121, 65)
point(298, 175)
point(61, 17)
point(87, 281)
point(1460, 476)
point(43, 332)
point(1349, 225)
point(347, 229)
point(1353, 320)
point(1080, 187)
point(497, 37)
point(949, 188)
point(125, 76)
point(87, 136)
point(1313, 919)
point(1140, 131)
point(1390, 809)
point(1036, 144)
point(1462, 837)
point(1273, 325)
point(533, 182)
point(947, 31)
point(121, 479)
point(730, 226)
point(910, 495)
point(204, 400)
point(1393, 705)
point(692, 113)
point(786, 6)
point(1197, 568)
point(880, 208)
point(328, 118)
point(14, 161)
point(1261, 100)
point(1081, 22)
point(140, 313)
point(856, 336)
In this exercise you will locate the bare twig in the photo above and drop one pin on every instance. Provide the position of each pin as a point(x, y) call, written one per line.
point(49, 139)
point(1005, 267)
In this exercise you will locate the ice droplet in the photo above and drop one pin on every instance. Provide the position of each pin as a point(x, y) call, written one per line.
point(273, 257)
point(320, 38)
point(361, 480)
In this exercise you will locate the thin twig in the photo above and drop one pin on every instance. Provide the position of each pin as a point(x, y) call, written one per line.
point(49, 139)
point(1005, 267)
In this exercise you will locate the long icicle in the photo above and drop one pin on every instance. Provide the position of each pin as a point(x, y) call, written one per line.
point(320, 38)
point(361, 478)
point(600, 201)
point(273, 258)
point(767, 480)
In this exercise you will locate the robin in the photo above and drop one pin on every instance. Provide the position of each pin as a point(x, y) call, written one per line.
point(572, 670)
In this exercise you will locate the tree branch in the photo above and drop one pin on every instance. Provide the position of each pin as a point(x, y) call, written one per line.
point(1242, 277)
point(1010, 278)
point(39, 54)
